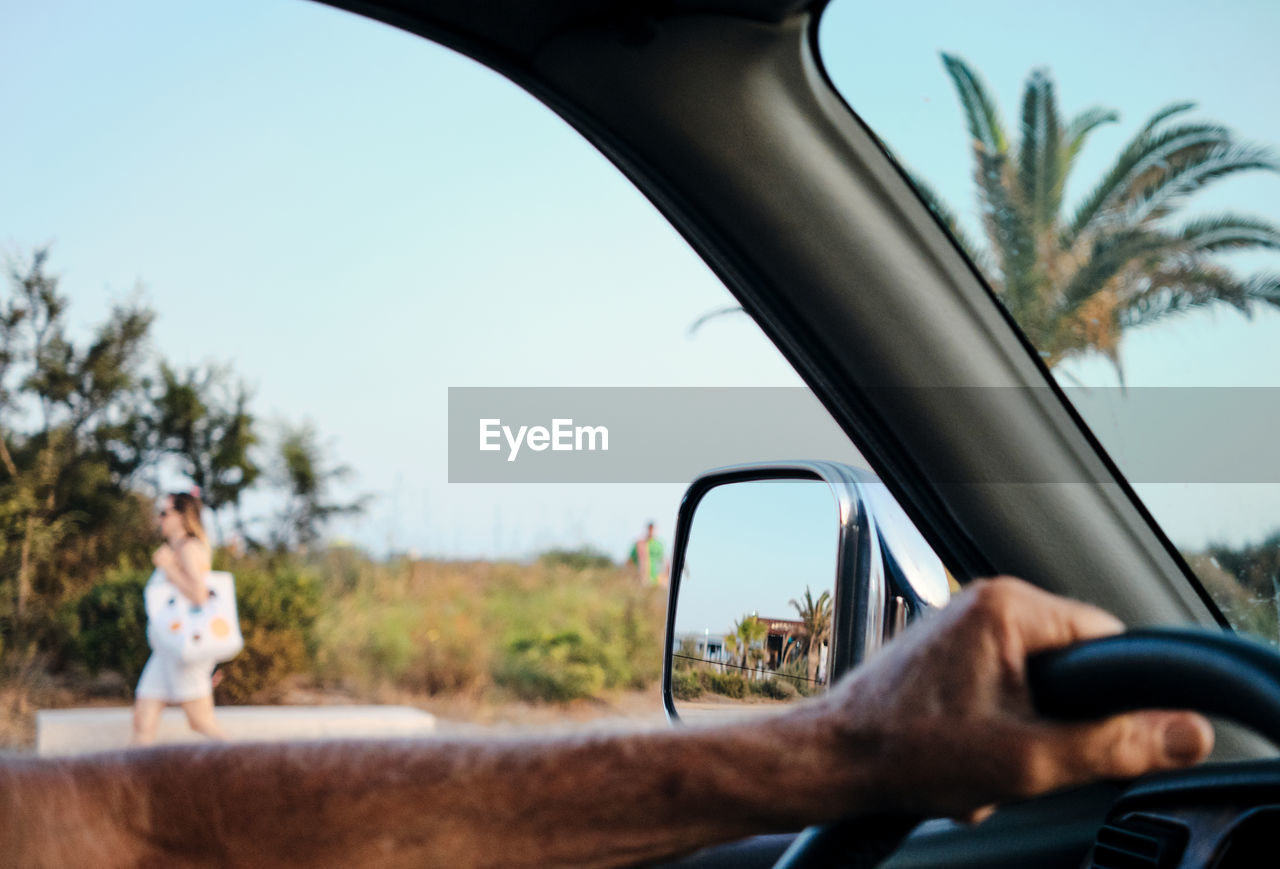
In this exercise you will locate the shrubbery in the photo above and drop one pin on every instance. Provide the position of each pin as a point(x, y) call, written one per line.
point(582, 558)
point(689, 684)
point(686, 684)
point(110, 625)
point(796, 673)
point(773, 688)
point(550, 631)
point(278, 610)
point(729, 684)
point(553, 666)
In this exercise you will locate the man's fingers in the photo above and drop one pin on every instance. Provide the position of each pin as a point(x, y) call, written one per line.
point(1040, 620)
point(1121, 747)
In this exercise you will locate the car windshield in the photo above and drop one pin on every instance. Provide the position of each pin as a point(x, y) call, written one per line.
point(1111, 170)
point(378, 308)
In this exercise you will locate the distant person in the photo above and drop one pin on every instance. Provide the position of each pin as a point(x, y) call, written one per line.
point(649, 555)
point(183, 560)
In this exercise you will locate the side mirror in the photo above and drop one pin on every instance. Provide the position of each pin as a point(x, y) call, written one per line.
point(784, 577)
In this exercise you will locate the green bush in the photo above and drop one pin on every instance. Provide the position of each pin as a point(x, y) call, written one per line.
point(729, 684)
point(685, 684)
point(415, 626)
point(573, 633)
point(796, 673)
point(773, 689)
point(278, 610)
point(582, 558)
point(562, 666)
point(110, 625)
point(543, 632)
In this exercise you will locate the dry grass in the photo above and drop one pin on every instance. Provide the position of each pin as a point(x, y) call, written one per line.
point(28, 687)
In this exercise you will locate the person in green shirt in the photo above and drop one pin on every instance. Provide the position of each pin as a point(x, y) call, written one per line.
point(648, 554)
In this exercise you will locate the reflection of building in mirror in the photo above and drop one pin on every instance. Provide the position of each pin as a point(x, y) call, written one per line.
point(702, 647)
point(786, 641)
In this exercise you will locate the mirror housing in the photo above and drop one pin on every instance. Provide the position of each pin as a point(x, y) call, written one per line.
point(887, 575)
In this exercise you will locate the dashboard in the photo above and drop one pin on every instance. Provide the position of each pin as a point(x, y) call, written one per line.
point(1222, 816)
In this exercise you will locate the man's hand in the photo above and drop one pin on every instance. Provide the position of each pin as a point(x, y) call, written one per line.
point(943, 715)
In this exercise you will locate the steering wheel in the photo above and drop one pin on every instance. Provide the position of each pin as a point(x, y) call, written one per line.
point(1155, 668)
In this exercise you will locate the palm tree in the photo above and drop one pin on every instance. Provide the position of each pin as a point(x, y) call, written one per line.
point(816, 616)
point(1075, 282)
point(744, 639)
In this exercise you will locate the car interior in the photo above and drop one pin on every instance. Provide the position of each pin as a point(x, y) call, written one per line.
point(721, 113)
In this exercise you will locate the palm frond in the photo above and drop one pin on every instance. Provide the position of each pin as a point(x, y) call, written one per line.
point(1148, 152)
point(1168, 190)
point(1182, 290)
point(1109, 259)
point(1171, 150)
point(1039, 152)
point(980, 109)
point(1229, 232)
point(1079, 128)
point(711, 315)
point(1009, 229)
point(1165, 113)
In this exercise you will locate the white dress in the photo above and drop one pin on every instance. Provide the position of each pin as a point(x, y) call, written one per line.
point(167, 678)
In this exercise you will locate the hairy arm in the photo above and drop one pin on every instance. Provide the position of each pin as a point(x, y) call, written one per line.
point(938, 723)
point(601, 801)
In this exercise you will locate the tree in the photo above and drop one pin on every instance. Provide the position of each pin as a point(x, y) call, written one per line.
point(61, 407)
point(202, 418)
point(816, 616)
point(1075, 282)
point(306, 481)
point(744, 641)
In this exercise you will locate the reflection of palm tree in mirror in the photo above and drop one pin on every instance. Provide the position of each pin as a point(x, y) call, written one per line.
point(816, 616)
point(745, 642)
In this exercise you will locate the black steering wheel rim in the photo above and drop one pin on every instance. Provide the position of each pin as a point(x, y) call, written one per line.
point(1216, 673)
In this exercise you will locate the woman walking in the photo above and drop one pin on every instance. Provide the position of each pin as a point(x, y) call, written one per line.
point(184, 560)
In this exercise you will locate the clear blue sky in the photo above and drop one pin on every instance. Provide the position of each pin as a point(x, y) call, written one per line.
point(356, 219)
point(754, 548)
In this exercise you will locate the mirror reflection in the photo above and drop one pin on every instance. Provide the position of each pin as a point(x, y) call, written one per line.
point(754, 619)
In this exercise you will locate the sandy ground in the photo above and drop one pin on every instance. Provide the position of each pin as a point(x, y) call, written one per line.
point(461, 714)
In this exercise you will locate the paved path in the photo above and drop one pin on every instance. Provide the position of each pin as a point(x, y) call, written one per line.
point(78, 731)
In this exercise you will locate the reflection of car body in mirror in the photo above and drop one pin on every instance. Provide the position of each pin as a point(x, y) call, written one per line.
point(786, 575)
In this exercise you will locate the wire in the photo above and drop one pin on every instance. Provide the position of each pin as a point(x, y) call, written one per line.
point(775, 673)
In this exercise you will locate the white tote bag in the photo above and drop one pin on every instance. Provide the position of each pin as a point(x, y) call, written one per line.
point(194, 633)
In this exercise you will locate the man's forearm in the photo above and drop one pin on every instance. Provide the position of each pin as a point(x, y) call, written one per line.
point(592, 801)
